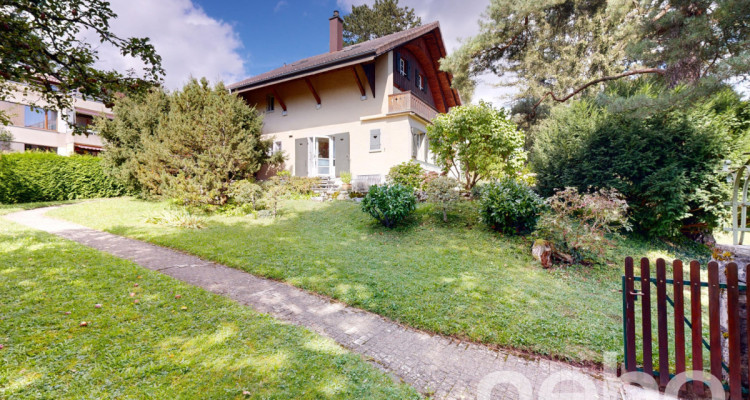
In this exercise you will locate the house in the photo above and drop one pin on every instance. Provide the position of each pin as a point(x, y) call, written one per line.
point(47, 129)
point(361, 108)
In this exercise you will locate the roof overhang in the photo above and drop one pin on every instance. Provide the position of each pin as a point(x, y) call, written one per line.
point(305, 73)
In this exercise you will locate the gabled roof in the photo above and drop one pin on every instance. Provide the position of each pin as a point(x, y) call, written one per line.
point(370, 49)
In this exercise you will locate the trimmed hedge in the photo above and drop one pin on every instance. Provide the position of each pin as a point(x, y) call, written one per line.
point(33, 177)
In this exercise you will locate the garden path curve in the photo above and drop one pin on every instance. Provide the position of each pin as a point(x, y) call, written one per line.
point(441, 367)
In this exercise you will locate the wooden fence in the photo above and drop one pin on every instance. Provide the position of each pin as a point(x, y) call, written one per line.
point(675, 340)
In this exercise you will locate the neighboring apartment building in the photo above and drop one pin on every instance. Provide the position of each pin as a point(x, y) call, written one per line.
point(361, 108)
point(46, 129)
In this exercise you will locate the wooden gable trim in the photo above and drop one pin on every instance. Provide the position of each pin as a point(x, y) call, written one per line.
point(359, 82)
point(430, 68)
point(369, 70)
point(312, 90)
point(279, 99)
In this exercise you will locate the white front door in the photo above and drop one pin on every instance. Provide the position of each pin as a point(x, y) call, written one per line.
point(322, 160)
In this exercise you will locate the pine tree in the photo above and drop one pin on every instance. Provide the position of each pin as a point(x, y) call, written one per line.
point(385, 17)
point(189, 145)
point(557, 49)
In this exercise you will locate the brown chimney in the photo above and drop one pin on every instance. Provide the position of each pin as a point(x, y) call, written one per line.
point(336, 40)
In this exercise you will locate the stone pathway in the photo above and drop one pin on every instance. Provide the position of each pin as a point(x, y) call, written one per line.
point(437, 366)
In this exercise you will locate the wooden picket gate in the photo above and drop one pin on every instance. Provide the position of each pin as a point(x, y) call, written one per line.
point(693, 322)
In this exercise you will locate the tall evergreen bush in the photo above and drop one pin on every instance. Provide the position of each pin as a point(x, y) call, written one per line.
point(667, 163)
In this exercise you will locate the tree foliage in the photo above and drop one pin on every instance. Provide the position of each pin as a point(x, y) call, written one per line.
point(189, 145)
point(666, 162)
point(42, 47)
point(5, 139)
point(476, 141)
point(556, 49)
point(385, 17)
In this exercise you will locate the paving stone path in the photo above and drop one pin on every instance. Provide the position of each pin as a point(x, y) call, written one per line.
point(438, 366)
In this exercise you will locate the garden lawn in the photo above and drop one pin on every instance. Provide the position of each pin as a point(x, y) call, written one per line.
point(457, 279)
point(197, 346)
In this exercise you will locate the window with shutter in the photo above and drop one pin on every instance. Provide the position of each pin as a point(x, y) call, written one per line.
point(375, 140)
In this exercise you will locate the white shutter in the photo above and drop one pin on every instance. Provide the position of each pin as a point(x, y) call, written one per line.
point(374, 139)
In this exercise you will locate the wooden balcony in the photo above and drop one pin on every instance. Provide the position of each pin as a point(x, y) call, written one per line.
point(407, 102)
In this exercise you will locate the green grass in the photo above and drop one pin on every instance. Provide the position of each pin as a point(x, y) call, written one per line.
point(214, 348)
point(457, 279)
point(11, 208)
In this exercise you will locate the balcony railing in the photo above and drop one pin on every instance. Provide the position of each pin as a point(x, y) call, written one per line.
point(407, 102)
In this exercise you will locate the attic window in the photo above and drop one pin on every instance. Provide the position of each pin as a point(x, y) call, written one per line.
point(269, 103)
point(419, 80)
point(402, 66)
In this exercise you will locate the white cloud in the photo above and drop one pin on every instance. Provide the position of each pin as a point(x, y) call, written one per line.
point(458, 20)
point(281, 4)
point(190, 42)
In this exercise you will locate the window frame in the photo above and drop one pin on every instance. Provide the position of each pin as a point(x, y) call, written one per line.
point(49, 123)
point(270, 103)
point(402, 66)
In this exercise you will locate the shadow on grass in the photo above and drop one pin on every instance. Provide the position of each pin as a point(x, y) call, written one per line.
point(441, 277)
point(212, 349)
point(456, 278)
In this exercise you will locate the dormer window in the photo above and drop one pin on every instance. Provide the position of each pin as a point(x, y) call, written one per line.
point(269, 103)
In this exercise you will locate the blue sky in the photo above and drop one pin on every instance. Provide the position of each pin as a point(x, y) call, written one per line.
point(275, 32)
point(230, 40)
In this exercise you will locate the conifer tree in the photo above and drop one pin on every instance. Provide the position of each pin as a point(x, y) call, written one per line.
point(557, 49)
point(189, 145)
point(385, 17)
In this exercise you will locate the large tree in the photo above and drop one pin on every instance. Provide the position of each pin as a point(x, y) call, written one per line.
point(42, 47)
point(189, 145)
point(385, 17)
point(555, 49)
point(475, 142)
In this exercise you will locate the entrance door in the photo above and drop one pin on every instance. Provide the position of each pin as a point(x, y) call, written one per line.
point(322, 154)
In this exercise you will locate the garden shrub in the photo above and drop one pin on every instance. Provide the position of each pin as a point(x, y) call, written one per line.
point(443, 192)
point(578, 224)
point(390, 204)
point(276, 189)
point(35, 176)
point(302, 185)
point(246, 192)
point(509, 206)
point(666, 163)
point(409, 174)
